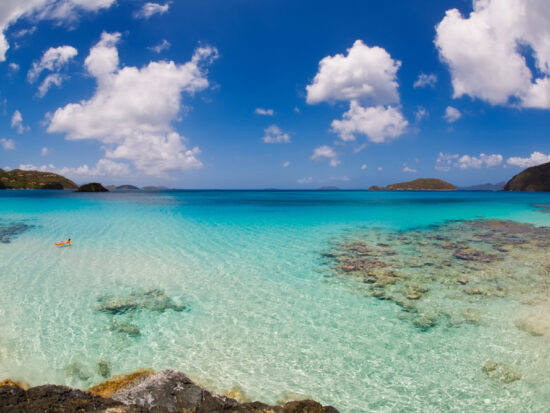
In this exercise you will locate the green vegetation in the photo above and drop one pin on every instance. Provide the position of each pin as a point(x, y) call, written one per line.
point(19, 179)
point(421, 184)
point(533, 179)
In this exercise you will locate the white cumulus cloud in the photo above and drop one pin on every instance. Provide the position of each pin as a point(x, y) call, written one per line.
point(363, 167)
point(286, 164)
point(7, 144)
point(132, 109)
point(327, 152)
point(377, 123)
point(365, 73)
point(164, 45)
point(536, 158)
point(264, 112)
point(53, 60)
point(45, 151)
point(421, 113)
point(17, 122)
point(150, 9)
point(425, 80)
point(408, 170)
point(58, 10)
point(446, 161)
point(104, 167)
point(452, 114)
point(274, 134)
point(486, 51)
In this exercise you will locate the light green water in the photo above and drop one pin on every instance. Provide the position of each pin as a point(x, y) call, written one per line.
point(265, 312)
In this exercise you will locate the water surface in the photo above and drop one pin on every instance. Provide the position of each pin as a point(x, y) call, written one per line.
point(263, 308)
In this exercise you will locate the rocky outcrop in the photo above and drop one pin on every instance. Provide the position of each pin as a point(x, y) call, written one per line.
point(92, 187)
point(140, 392)
point(19, 179)
point(533, 179)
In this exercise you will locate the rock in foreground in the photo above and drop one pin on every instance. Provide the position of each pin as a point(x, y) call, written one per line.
point(92, 187)
point(534, 179)
point(164, 392)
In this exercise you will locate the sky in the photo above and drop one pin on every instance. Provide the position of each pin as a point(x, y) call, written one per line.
point(275, 93)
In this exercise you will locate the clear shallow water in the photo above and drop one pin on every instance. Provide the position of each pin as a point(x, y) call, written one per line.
point(265, 312)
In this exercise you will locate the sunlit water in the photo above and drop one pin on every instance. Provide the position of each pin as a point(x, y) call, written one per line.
point(264, 312)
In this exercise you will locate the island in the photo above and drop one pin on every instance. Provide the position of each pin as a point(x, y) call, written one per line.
point(92, 187)
point(533, 179)
point(484, 187)
point(420, 184)
point(20, 179)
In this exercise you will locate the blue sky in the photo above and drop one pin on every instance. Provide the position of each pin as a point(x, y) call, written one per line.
point(286, 94)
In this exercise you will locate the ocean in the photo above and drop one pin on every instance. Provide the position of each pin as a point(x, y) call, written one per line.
point(367, 301)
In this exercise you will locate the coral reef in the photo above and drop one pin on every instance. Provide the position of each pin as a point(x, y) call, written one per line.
point(10, 231)
point(150, 300)
point(426, 271)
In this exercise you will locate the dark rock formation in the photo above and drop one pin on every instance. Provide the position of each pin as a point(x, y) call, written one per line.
point(19, 179)
point(422, 184)
point(58, 399)
point(146, 392)
point(92, 187)
point(533, 179)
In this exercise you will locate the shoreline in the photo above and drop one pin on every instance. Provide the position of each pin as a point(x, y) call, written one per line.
point(142, 391)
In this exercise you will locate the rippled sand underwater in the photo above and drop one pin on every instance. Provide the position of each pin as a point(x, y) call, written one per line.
point(366, 301)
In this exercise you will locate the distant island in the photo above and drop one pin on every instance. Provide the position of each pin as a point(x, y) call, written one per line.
point(420, 184)
point(19, 179)
point(484, 187)
point(122, 188)
point(533, 179)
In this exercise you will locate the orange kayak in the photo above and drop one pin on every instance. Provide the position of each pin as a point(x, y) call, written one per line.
point(63, 243)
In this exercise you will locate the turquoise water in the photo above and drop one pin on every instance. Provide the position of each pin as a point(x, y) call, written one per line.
point(263, 310)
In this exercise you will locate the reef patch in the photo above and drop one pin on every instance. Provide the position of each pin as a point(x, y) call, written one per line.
point(149, 300)
point(442, 274)
point(8, 232)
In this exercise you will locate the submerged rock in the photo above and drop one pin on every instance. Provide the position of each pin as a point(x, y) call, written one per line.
point(425, 322)
point(10, 231)
point(501, 372)
point(103, 368)
point(465, 260)
point(151, 300)
point(469, 254)
point(126, 328)
point(237, 393)
point(77, 371)
point(536, 324)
